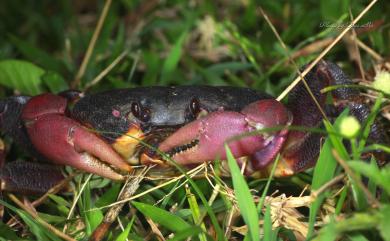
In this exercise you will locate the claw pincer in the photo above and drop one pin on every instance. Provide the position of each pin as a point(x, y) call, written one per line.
point(65, 141)
point(204, 139)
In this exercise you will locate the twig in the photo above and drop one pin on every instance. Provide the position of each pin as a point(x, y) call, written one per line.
point(128, 190)
point(356, 49)
point(38, 219)
point(91, 45)
point(300, 75)
point(371, 52)
point(78, 196)
point(324, 187)
point(102, 74)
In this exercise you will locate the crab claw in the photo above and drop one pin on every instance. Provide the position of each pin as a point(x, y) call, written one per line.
point(203, 139)
point(66, 142)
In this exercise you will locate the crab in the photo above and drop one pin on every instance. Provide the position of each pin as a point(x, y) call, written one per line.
point(105, 133)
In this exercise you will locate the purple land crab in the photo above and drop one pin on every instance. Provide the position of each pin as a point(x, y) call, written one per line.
point(104, 133)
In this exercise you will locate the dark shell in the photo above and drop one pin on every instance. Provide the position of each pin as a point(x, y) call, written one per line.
point(169, 106)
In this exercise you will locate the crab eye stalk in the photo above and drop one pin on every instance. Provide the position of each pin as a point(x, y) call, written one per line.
point(195, 107)
point(143, 114)
point(135, 109)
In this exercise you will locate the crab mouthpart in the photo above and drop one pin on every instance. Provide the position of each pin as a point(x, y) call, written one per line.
point(126, 145)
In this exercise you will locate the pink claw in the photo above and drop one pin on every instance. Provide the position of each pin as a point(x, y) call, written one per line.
point(203, 139)
point(66, 142)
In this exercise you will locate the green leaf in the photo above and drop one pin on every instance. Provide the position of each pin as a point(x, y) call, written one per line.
point(92, 216)
point(380, 177)
point(244, 197)
point(7, 233)
point(55, 82)
point(37, 55)
point(384, 225)
point(160, 216)
point(328, 233)
point(196, 214)
point(267, 224)
point(36, 228)
point(52, 219)
point(357, 237)
point(325, 168)
point(109, 196)
point(123, 236)
point(187, 233)
point(22, 76)
point(332, 9)
point(221, 68)
point(62, 205)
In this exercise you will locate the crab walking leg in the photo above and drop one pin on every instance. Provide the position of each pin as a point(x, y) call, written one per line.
point(203, 139)
point(29, 177)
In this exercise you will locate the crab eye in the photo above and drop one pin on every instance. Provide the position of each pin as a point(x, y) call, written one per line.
point(140, 113)
point(194, 107)
point(135, 109)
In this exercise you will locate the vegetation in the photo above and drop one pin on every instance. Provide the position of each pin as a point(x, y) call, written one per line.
point(99, 45)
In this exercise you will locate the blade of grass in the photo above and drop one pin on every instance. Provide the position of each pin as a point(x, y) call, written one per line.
point(91, 45)
point(267, 227)
point(244, 197)
point(263, 195)
point(195, 212)
point(160, 216)
point(187, 234)
point(323, 53)
point(368, 123)
point(38, 226)
point(123, 236)
point(324, 170)
point(173, 59)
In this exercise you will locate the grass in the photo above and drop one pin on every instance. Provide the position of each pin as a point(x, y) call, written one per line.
point(52, 46)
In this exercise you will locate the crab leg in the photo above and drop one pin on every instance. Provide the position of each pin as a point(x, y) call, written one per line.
point(29, 177)
point(66, 142)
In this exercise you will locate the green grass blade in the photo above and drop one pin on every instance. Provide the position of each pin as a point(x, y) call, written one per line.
point(368, 123)
point(187, 233)
point(173, 59)
point(123, 236)
point(323, 172)
point(263, 195)
point(267, 224)
point(244, 197)
point(196, 214)
point(162, 217)
point(7, 233)
point(36, 228)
